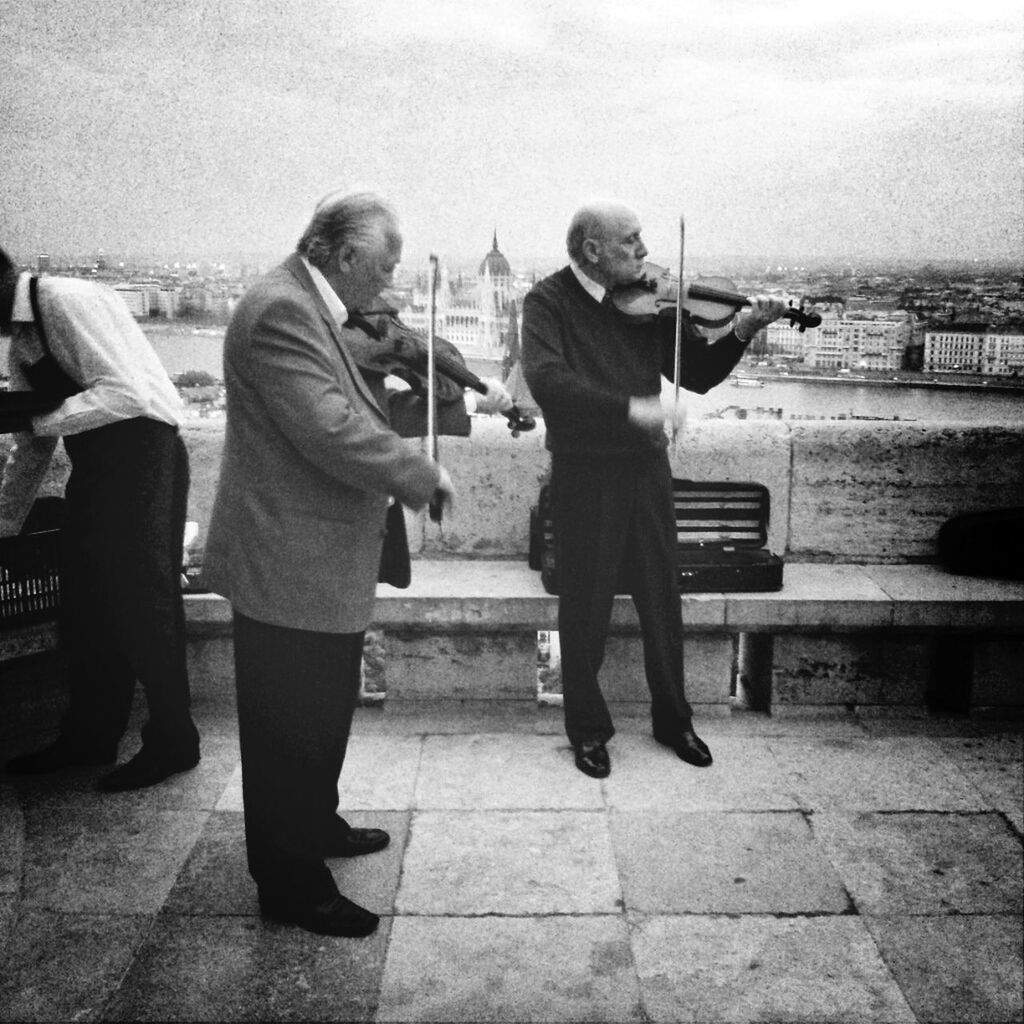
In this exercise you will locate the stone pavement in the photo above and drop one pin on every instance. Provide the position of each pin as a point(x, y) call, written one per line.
point(824, 869)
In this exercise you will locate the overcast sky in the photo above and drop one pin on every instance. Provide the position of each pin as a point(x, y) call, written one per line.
point(777, 127)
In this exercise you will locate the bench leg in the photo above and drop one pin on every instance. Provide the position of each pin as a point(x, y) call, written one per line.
point(754, 653)
point(950, 675)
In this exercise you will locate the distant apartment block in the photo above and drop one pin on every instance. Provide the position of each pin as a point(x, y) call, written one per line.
point(149, 298)
point(1004, 352)
point(136, 298)
point(974, 348)
point(866, 340)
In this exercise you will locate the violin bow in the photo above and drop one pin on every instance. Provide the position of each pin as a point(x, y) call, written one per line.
point(676, 374)
point(435, 504)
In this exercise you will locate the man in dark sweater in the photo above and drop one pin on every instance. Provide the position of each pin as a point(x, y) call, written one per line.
point(597, 376)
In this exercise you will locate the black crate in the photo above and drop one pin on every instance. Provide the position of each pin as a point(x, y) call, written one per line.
point(30, 578)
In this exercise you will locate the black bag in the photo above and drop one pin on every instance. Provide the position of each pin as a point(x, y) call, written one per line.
point(395, 567)
point(721, 529)
point(984, 543)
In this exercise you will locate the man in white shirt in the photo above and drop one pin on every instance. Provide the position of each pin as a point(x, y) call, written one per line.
point(122, 617)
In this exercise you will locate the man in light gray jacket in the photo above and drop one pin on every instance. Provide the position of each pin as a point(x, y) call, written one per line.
point(309, 465)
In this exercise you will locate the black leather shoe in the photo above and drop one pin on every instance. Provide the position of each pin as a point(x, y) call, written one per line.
point(358, 841)
point(336, 916)
point(688, 746)
point(145, 769)
point(58, 756)
point(592, 759)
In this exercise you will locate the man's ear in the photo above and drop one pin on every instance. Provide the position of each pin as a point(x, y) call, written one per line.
point(591, 250)
point(345, 257)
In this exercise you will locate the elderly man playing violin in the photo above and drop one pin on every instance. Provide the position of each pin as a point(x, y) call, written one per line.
point(596, 374)
point(310, 461)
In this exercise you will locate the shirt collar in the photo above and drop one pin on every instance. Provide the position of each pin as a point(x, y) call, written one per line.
point(339, 314)
point(21, 312)
point(590, 285)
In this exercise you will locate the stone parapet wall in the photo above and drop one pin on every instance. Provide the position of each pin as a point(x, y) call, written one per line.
point(841, 491)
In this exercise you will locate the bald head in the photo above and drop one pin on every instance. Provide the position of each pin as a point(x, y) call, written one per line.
point(604, 241)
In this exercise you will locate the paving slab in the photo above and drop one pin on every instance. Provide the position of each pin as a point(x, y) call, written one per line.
point(502, 772)
point(744, 969)
point(12, 840)
point(379, 774)
point(198, 789)
point(509, 862)
point(925, 863)
point(891, 773)
point(215, 878)
point(113, 859)
point(993, 766)
point(63, 966)
point(240, 968)
point(745, 776)
point(501, 969)
point(724, 863)
point(441, 716)
point(956, 969)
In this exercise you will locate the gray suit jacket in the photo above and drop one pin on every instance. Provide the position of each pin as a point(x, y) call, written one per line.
point(309, 462)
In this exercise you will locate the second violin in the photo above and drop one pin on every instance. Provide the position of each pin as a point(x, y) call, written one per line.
point(394, 348)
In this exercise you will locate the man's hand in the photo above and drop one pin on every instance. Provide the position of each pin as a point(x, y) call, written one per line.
point(497, 398)
point(648, 412)
point(764, 310)
point(444, 493)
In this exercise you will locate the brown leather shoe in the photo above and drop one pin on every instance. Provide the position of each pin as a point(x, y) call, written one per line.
point(688, 746)
point(358, 841)
point(336, 916)
point(592, 759)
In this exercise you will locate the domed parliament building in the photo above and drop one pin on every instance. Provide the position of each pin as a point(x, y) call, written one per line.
point(480, 317)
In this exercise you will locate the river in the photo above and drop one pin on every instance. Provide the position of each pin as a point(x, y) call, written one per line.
point(184, 348)
point(200, 349)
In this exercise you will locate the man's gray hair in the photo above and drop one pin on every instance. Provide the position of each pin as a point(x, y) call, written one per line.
point(586, 223)
point(342, 220)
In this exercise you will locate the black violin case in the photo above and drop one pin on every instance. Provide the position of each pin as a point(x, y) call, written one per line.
point(721, 528)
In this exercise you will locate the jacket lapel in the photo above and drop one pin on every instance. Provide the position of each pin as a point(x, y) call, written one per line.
point(297, 268)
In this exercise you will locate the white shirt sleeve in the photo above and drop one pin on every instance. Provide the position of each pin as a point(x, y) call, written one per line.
point(96, 339)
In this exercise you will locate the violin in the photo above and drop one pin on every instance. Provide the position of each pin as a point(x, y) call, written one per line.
point(392, 348)
point(709, 301)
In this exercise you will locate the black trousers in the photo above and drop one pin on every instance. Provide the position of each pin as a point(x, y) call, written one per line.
point(297, 692)
point(615, 520)
point(123, 619)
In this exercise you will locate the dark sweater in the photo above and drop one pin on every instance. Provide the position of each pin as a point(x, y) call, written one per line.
point(583, 361)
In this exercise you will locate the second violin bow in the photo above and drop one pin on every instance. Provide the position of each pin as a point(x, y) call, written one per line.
point(677, 365)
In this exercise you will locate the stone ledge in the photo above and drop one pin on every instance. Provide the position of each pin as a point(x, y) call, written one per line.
point(463, 596)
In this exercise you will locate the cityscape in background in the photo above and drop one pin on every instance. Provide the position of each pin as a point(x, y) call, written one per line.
point(892, 321)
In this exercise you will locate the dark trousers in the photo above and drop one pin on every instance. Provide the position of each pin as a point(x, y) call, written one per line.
point(123, 619)
point(297, 692)
point(615, 520)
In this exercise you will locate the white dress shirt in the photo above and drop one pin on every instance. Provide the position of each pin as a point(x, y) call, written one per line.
point(96, 340)
point(592, 287)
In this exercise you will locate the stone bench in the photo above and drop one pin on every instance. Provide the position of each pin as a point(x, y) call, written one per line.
point(886, 636)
